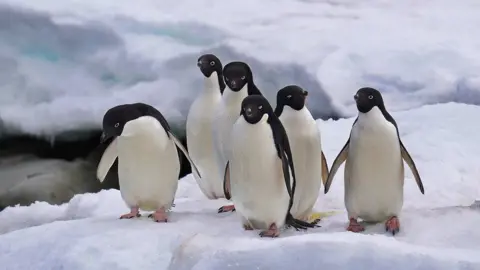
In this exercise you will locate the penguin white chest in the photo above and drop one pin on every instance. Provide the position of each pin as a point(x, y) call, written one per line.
point(227, 113)
point(374, 172)
point(256, 177)
point(305, 143)
point(199, 129)
point(148, 173)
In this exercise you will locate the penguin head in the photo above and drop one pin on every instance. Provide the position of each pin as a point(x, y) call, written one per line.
point(293, 96)
point(209, 63)
point(115, 119)
point(367, 98)
point(237, 75)
point(256, 108)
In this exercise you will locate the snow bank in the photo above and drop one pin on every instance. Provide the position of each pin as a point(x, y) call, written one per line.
point(439, 229)
point(63, 63)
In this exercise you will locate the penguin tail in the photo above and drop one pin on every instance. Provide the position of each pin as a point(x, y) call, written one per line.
point(299, 224)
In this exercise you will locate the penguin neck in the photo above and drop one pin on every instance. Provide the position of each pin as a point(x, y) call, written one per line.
point(296, 117)
point(211, 84)
point(234, 97)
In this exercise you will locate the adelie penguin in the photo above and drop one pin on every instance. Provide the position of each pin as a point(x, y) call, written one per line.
point(374, 170)
point(239, 80)
point(305, 141)
point(260, 174)
point(148, 160)
point(199, 127)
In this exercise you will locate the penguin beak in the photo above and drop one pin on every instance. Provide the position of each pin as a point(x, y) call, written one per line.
point(248, 112)
point(199, 63)
point(305, 93)
point(355, 97)
point(104, 138)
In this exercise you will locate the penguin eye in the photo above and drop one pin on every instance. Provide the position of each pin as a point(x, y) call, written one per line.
point(212, 63)
point(226, 79)
point(116, 125)
point(289, 96)
point(370, 97)
point(243, 77)
point(260, 107)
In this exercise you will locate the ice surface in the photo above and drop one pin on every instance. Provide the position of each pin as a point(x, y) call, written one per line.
point(439, 229)
point(63, 63)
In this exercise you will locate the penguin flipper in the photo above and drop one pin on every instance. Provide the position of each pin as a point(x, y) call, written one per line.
point(324, 169)
point(179, 144)
point(106, 161)
point(286, 174)
point(341, 157)
point(226, 182)
point(408, 159)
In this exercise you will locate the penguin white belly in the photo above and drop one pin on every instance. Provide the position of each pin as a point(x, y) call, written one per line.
point(374, 173)
point(226, 115)
point(305, 143)
point(256, 177)
point(148, 174)
point(200, 142)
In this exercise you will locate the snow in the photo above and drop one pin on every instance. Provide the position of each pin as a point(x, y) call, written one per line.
point(439, 230)
point(64, 63)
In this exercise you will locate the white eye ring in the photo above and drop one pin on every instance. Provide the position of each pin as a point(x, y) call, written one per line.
point(260, 107)
point(243, 77)
point(289, 96)
point(212, 63)
point(370, 97)
point(226, 79)
point(117, 124)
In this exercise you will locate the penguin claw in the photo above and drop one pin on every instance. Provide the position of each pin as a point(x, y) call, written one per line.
point(226, 208)
point(392, 225)
point(130, 216)
point(299, 224)
point(354, 226)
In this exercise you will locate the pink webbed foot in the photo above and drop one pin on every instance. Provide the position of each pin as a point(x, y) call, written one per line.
point(392, 225)
point(134, 213)
point(159, 216)
point(271, 232)
point(226, 208)
point(354, 226)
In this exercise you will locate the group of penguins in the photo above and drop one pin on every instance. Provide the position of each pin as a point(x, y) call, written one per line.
point(268, 162)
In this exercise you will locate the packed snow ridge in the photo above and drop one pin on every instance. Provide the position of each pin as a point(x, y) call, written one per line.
point(439, 229)
point(64, 63)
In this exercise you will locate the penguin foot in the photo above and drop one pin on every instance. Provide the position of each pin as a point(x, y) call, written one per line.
point(271, 232)
point(392, 225)
point(226, 208)
point(354, 226)
point(159, 216)
point(247, 227)
point(133, 214)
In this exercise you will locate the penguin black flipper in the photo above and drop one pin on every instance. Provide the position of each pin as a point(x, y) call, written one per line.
point(284, 152)
point(146, 109)
point(341, 157)
point(324, 169)
point(226, 182)
point(405, 155)
point(408, 159)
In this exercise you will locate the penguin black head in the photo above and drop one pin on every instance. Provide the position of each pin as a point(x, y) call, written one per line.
point(293, 96)
point(367, 98)
point(254, 108)
point(115, 119)
point(208, 63)
point(236, 75)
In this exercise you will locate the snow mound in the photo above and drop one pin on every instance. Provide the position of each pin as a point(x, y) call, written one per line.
point(64, 63)
point(439, 229)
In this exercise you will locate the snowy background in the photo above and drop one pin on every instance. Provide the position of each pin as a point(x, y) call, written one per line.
point(64, 63)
